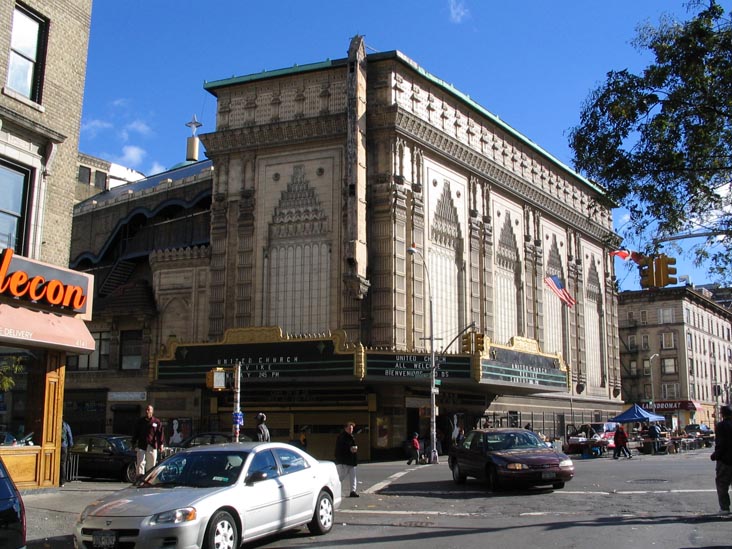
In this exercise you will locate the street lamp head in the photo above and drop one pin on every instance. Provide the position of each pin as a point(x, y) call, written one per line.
point(412, 250)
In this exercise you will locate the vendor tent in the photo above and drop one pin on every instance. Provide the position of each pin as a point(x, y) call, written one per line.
point(636, 413)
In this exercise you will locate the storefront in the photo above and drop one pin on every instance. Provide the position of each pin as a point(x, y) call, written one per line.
point(680, 413)
point(42, 313)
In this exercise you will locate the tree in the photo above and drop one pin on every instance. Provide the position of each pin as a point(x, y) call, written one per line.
point(10, 365)
point(661, 141)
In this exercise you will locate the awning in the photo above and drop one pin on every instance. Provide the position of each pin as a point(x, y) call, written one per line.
point(22, 326)
point(697, 407)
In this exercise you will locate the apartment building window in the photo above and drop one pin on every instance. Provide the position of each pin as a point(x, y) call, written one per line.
point(670, 391)
point(631, 316)
point(131, 349)
point(27, 52)
point(646, 367)
point(644, 342)
point(647, 391)
point(668, 365)
point(632, 342)
point(15, 183)
point(689, 341)
point(97, 360)
point(667, 340)
point(644, 317)
point(665, 316)
point(633, 367)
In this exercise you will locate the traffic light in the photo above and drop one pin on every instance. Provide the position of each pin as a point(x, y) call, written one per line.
point(465, 343)
point(479, 344)
point(664, 270)
point(646, 267)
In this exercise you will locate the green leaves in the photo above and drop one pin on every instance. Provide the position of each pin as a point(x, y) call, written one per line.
point(661, 141)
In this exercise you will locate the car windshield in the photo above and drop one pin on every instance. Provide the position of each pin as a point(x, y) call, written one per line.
point(513, 440)
point(197, 469)
point(123, 443)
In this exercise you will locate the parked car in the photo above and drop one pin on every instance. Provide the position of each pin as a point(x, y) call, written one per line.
point(216, 496)
point(201, 439)
point(12, 512)
point(702, 432)
point(509, 458)
point(105, 456)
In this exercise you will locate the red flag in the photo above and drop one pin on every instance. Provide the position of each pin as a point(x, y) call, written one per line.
point(556, 286)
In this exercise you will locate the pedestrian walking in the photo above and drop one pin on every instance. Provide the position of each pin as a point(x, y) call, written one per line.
point(148, 440)
point(723, 456)
point(346, 457)
point(654, 431)
point(67, 441)
point(262, 429)
point(621, 443)
point(413, 449)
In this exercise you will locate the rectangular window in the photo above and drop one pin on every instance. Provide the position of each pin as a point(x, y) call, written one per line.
point(646, 367)
point(668, 365)
point(100, 180)
point(633, 367)
point(15, 183)
point(665, 316)
point(631, 316)
point(84, 175)
point(631, 342)
point(644, 342)
point(644, 317)
point(131, 349)
point(670, 391)
point(667, 340)
point(97, 360)
point(27, 52)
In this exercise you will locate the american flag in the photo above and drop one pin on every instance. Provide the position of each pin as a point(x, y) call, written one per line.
point(556, 286)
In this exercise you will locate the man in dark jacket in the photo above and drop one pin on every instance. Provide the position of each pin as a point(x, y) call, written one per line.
point(723, 456)
point(346, 457)
point(148, 440)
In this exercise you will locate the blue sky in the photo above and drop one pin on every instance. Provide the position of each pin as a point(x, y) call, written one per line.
point(531, 63)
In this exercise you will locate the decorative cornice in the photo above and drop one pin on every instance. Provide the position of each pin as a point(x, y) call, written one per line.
point(275, 134)
point(426, 134)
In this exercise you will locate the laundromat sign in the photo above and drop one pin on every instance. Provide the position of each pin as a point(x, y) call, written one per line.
point(45, 285)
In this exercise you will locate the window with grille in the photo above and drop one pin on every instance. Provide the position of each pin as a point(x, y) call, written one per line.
point(131, 349)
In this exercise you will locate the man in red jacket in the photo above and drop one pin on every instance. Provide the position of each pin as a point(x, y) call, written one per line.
point(147, 440)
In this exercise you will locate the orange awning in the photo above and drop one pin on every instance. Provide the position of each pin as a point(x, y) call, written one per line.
point(29, 327)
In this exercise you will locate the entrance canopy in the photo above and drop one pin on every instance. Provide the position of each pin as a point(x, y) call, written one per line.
point(636, 413)
point(22, 326)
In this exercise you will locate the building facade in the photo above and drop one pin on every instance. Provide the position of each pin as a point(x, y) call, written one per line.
point(43, 52)
point(676, 353)
point(322, 179)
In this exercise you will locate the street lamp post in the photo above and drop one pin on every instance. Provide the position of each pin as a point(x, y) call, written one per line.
point(653, 397)
point(433, 387)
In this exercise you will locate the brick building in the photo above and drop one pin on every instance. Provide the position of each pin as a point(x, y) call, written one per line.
point(676, 352)
point(43, 52)
point(320, 179)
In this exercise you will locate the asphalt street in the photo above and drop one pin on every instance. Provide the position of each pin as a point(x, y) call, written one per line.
point(663, 501)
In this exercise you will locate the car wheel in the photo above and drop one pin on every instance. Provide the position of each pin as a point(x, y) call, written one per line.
point(221, 532)
point(457, 475)
point(558, 485)
point(129, 473)
point(323, 516)
point(491, 478)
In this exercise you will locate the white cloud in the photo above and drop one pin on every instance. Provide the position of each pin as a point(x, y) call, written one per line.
point(94, 126)
point(157, 167)
point(121, 102)
point(132, 156)
point(458, 11)
point(138, 126)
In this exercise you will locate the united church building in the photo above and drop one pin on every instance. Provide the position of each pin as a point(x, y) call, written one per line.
point(322, 177)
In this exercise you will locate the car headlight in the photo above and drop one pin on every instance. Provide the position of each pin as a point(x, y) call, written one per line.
point(516, 466)
point(566, 463)
point(176, 516)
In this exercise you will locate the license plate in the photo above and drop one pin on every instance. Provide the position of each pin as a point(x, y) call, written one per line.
point(104, 539)
point(547, 475)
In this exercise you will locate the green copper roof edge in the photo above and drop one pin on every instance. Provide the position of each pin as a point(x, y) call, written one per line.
point(396, 54)
point(209, 86)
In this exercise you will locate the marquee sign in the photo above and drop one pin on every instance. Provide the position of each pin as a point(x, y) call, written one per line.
point(406, 366)
point(517, 368)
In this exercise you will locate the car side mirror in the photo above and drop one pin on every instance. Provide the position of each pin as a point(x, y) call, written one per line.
point(257, 476)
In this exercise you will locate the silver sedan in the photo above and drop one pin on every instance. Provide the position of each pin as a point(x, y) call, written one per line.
point(216, 496)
